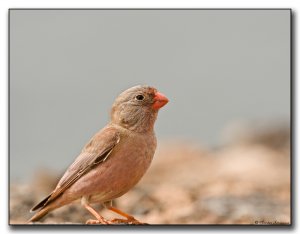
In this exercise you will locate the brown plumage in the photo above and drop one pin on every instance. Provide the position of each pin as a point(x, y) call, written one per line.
point(114, 160)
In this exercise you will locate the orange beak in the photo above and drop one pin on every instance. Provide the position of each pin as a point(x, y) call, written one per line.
point(159, 101)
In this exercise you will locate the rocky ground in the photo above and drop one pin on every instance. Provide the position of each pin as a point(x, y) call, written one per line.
point(246, 181)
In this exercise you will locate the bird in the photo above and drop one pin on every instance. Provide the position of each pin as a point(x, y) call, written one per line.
point(113, 161)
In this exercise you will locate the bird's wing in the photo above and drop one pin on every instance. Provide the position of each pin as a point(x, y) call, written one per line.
point(95, 152)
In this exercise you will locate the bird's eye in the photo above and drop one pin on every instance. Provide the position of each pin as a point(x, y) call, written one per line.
point(139, 97)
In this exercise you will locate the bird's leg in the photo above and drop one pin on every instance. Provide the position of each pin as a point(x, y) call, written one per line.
point(129, 218)
point(100, 219)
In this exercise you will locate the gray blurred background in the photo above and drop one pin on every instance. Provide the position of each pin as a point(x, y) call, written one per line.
point(217, 67)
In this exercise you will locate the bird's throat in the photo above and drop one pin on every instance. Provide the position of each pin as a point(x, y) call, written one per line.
point(140, 122)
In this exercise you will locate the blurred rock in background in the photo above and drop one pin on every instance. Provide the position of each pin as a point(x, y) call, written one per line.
point(245, 181)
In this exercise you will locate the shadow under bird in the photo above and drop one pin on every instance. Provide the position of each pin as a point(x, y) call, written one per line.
point(114, 160)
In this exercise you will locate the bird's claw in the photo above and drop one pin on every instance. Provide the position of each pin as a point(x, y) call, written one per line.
point(95, 221)
point(92, 221)
point(130, 221)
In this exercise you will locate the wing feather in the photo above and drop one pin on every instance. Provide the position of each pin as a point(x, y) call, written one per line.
point(95, 152)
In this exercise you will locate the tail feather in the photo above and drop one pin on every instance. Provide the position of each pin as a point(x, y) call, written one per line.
point(40, 214)
point(45, 207)
point(40, 204)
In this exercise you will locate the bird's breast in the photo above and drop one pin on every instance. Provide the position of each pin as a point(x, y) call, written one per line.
point(135, 152)
point(126, 165)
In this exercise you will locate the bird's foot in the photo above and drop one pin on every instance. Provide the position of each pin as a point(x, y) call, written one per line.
point(96, 221)
point(130, 221)
point(92, 221)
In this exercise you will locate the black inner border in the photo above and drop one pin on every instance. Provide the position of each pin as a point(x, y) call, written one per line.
point(174, 227)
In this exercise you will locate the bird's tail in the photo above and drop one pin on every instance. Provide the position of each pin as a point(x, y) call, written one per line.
point(40, 214)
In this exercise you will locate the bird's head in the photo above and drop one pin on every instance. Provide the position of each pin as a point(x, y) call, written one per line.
point(136, 108)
